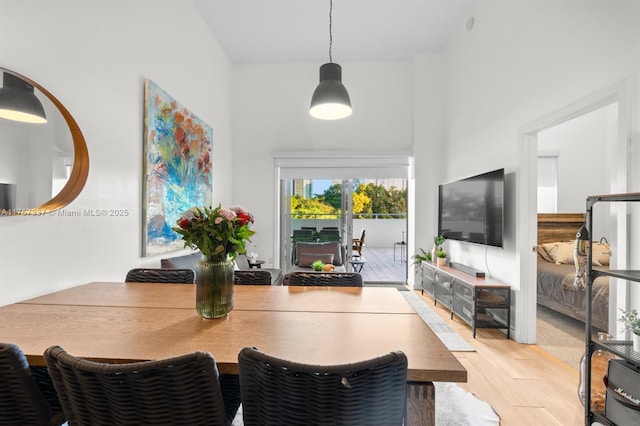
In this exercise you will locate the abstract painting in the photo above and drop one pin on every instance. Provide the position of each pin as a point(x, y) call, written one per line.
point(177, 168)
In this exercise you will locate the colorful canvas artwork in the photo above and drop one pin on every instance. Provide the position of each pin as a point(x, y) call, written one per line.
point(177, 168)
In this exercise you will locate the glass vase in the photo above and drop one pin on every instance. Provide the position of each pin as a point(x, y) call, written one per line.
point(599, 364)
point(214, 287)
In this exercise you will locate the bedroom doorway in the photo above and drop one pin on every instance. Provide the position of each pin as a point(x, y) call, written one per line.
point(612, 170)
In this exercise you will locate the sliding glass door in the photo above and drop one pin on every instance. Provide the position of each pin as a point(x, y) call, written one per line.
point(373, 212)
point(351, 191)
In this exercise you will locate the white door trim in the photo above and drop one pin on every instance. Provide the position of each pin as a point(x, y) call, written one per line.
point(525, 306)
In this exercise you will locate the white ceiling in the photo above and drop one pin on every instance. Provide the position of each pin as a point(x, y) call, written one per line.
point(281, 31)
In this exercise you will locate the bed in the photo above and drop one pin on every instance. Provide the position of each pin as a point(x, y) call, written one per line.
point(556, 270)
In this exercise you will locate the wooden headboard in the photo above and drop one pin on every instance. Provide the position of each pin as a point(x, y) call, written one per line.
point(554, 227)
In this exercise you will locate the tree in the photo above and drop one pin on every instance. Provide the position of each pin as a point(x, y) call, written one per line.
point(304, 208)
point(385, 201)
point(360, 202)
point(333, 196)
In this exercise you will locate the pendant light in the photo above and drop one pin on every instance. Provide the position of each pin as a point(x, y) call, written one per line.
point(330, 100)
point(18, 101)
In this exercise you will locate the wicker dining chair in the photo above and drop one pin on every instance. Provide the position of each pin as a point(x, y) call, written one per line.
point(248, 277)
point(337, 279)
point(161, 275)
point(279, 392)
point(180, 390)
point(24, 397)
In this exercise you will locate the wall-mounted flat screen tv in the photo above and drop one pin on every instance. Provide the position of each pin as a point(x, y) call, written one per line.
point(472, 209)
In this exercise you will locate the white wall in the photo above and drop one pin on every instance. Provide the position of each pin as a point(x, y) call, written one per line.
point(521, 61)
point(271, 114)
point(582, 147)
point(94, 56)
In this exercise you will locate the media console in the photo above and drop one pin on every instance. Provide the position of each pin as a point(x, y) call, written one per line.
point(478, 301)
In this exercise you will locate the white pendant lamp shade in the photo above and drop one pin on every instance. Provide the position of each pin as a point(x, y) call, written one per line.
point(330, 100)
point(18, 101)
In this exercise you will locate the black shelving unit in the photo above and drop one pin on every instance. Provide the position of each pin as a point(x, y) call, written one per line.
point(622, 349)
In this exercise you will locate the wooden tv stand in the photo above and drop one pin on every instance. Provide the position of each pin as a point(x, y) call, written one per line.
point(480, 302)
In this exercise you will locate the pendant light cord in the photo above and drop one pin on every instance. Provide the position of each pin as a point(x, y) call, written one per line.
point(330, 33)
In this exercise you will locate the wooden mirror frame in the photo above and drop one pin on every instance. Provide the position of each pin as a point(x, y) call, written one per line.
point(80, 169)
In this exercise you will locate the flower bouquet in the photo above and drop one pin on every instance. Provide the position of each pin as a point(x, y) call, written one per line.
point(220, 234)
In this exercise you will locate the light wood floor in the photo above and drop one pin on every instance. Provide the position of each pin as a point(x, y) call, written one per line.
point(523, 383)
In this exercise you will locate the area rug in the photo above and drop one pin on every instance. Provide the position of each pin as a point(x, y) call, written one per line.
point(450, 338)
point(560, 335)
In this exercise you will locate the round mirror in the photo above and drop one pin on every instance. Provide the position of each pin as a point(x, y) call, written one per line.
point(44, 161)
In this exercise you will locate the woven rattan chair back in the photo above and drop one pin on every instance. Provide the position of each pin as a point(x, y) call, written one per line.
point(161, 275)
point(337, 279)
point(247, 277)
point(182, 390)
point(278, 392)
point(23, 399)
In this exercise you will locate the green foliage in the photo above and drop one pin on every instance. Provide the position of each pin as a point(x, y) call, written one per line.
point(318, 265)
point(423, 256)
point(367, 199)
point(384, 201)
point(333, 196)
point(630, 321)
point(218, 233)
point(441, 254)
point(439, 240)
point(304, 208)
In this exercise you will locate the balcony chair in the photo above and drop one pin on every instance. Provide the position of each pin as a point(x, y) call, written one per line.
point(358, 243)
point(329, 235)
point(179, 390)
point(336, 279)
point(160, 275)
point(280, 392)
point(27, 395)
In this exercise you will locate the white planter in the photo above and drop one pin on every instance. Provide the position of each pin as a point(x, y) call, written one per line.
point(636, 342)
point(442, 261)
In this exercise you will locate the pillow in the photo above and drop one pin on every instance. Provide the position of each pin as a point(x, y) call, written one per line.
point(306, 259)
point(601, 254)
point(329, 247)
point(560, 252)
point(543, 253)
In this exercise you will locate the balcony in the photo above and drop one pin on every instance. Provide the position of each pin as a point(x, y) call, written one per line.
point(386, 262)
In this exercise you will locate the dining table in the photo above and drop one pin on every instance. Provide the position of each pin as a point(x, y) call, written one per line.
point(127, 322)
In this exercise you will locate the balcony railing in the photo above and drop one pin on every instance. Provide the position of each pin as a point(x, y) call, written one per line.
point(325, 216)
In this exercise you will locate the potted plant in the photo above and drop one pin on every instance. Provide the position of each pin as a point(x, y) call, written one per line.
point(438, 241)
point(442, 257)
point(423, 256)
point(631, 322)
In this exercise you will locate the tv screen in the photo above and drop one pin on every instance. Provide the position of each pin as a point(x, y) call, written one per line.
point(471, 209)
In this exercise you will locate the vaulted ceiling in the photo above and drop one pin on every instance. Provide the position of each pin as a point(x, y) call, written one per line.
point(283, 31)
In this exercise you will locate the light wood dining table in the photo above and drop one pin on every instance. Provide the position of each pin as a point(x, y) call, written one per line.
point(124, 322)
